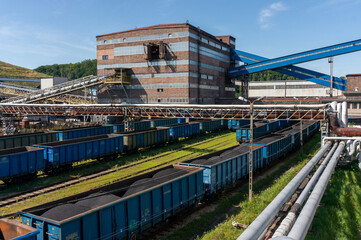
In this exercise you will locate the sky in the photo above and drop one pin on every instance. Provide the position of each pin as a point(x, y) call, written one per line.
point(44, 32)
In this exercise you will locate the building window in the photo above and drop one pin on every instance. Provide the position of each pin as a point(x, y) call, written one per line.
point(105, 57)
point(169, 35)
point(159, 100)
point(160, 90)
point(354, 105)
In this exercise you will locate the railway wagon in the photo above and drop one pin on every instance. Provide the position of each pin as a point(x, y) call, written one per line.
point(163, 122)
point(141, 125)
point(117, 128)
point(274, 146)
point(233, 124)
point(21, 161)
point(119, 210)
point(66, 152)
point(143, 138)
point(209, 125)
point(27, 139)
point(226, 166)
point(14, 230)
point(260, 129)
point(180, 130)
point(82, 132)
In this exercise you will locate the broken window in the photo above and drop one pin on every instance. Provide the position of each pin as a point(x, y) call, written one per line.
point(155, 51)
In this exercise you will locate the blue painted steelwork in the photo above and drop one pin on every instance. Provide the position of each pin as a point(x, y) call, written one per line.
point(19, 80)
point(306, 56)
point(302, 73)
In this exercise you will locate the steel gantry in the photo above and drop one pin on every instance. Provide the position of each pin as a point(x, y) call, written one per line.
point(290, 111)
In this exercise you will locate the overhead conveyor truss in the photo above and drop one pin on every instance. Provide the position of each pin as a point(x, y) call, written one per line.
point(61, 89)
point(302, 73)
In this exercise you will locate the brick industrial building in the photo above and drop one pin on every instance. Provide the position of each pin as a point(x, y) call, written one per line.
point(168, 63)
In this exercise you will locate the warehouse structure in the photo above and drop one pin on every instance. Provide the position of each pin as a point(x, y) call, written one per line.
point(168, 63)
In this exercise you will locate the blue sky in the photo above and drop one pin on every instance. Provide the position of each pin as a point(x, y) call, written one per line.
point(41, 32)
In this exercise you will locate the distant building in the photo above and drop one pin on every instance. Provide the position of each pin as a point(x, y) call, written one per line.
point(353, 94)
point(52, 81)
point(291, 88)
point(168, 63)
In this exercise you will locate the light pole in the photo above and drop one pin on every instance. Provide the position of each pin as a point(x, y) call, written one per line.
point(301, 125)
point(250, 163)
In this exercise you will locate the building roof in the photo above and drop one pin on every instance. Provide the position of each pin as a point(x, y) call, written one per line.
point(165, 26)
point(353, 75)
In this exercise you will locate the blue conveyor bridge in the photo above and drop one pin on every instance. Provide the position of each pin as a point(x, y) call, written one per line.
point(284, 64)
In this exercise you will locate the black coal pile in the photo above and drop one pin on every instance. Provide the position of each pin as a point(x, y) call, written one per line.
point(139, 186)
point(199, 161)
point(158, 178)
point(65, 211)
point(168, 174)
point(97, 199)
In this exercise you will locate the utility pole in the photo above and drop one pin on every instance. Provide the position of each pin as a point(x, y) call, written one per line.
point(330, 61)
point(250, 163)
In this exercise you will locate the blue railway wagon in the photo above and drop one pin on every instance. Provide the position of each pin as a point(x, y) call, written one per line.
point(177, 131)
point(233, 124)
point(294, 134)
point(14, 230)
point(259, 129)
point(224, 167)
point(210, 125)
point(17, 162)
point(142, 125)
point(274, 146)
point(143, 138)
point(133, 206)
point(27, 139)
point(74, 150)
point(82, 132)
point(163, 122)
point(117, 128)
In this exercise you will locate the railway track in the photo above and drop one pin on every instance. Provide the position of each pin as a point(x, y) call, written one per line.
point(23, 196)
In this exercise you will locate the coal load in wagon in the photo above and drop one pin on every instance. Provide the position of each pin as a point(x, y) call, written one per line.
point(97, 199)
point(64, 211)
point(199, 161)
point(139, 186)
point(168, 174)
point(268, 140)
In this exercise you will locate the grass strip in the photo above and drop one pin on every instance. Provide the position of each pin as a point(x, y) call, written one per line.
point(265, 190)
point(339, 214)
point(214, 144)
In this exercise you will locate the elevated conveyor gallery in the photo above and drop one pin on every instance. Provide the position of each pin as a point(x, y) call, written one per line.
point(284, 64)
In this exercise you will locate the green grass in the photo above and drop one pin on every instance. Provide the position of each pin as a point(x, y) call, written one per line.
point(264, 191)
point(12, 71)
point(209, 143)
point(339, 216)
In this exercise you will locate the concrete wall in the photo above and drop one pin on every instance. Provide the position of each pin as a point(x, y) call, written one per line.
point(294, 88)
point(50, 82)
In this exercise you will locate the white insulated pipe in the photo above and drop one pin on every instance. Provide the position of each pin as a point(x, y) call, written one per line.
point(289, 220)
point(339, 109)
point(303, 222)
point(344, 117)
point(333, 106)
point(268, 214)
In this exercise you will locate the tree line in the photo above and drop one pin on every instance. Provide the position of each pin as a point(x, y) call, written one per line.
point(71, 71)
point(89, 67)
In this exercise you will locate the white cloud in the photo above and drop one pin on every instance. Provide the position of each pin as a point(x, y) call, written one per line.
point(267, 13)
